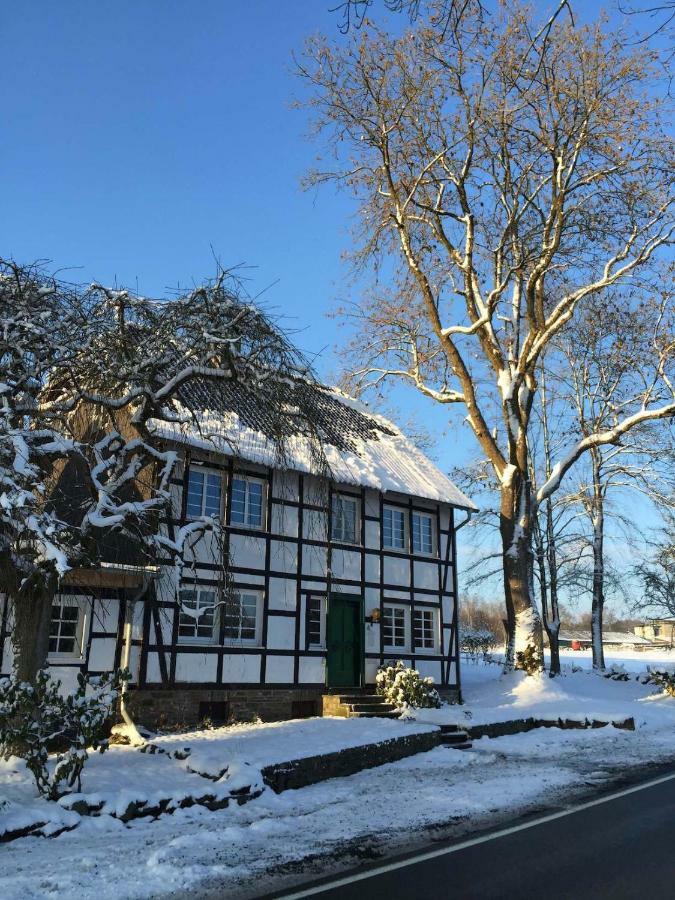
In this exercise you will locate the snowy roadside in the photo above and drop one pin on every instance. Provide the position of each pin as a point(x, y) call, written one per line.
point(278, 840)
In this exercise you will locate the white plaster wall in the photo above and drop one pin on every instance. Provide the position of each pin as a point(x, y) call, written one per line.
point(284, 520)
point(372, 503)
point(371, 668)
point(346, 564)
point(428, 667)
point(314, 561)
point(285, 485)
point(371, 536)
point(396, 571)
point(106, 612)
point(282, 593)
point(448, 610)
point(247, 551)
point(241, 667)
point(372, 567)
point(426, 574)
point(280, 632)
point(279, 669)
point(314, 525)
point(372, 637)
point(312, 670)
point(283, 557)
point(444, 548)
point(102, 654)
point(196, 667)
point(153, 673)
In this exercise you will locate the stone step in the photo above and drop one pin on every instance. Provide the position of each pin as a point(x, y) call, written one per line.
point(454, 737)
point(388, 714)
point(372, 707)
point(467, 745)
point(348, 699)
point(449, 729)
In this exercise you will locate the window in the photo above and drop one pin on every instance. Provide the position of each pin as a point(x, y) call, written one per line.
point(66, 629)
point(203, 493)
point(424, 629)
point(393, 528)
point(316, 622)
point(247, 502)
point(394, 626)
point(197, 616)
point(242, 616)
point(422, 533)
point(343, 524)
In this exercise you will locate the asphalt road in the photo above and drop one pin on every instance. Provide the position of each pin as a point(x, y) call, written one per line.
point(620, 846)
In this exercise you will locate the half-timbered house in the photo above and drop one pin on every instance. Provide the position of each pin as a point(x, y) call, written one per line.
point(329, 565)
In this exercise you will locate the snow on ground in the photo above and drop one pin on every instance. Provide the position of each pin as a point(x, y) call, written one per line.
point(490, 696)
point(275, 742)
point(269, 842)
point(631, 660)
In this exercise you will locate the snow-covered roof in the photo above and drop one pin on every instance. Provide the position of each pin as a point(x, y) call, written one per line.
point(608, 637)
point(359, 447)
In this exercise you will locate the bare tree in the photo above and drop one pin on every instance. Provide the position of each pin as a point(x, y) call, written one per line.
point(446, 13)
point(657, 575)
point(88, 380)
point(506, 174)
point(607, 364)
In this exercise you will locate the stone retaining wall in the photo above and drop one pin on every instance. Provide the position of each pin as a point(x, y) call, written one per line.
point(299, 773)
point(519, 726)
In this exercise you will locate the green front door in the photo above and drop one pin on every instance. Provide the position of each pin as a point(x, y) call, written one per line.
point(343, 641)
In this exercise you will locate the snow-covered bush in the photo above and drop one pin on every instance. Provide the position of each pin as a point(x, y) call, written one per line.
point(405, 687)
point(616, 672)
point(35, 719)
point(664, 678)
point(529, 660)
point(477, 641)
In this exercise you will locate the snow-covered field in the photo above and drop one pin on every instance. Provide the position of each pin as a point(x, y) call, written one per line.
point(240, 851)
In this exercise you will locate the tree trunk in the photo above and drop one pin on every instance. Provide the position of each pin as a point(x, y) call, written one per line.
point(32, 612)
point(598, 602)
point(553, 624)
point(523, 620)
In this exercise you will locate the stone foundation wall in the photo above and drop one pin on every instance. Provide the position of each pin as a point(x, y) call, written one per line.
point(180, 707)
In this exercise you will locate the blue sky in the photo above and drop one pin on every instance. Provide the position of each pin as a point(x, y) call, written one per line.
point(137, 136)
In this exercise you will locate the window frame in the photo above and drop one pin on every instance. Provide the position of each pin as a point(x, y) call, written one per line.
point(423, 514)
point(406, 529)
point(350, 498)
point(422, 611)
point(215, 627)
point(239, 641)
point(206, 471)
point(78, 653)
point(406, 627)
point(249, 479)
point(322, 601)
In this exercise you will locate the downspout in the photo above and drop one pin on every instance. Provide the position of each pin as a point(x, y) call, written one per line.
point(456, 528)
point(133, 732)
